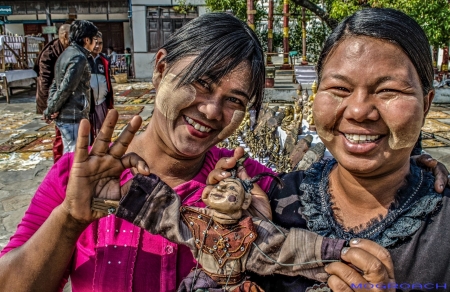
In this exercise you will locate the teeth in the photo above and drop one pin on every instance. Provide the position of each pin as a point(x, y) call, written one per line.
point(197, 126)
point(354, 138)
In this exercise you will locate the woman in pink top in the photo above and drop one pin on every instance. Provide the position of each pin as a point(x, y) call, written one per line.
point(206, 75)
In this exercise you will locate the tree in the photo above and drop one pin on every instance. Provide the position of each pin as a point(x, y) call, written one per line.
point(237, 7)
point(432, 15)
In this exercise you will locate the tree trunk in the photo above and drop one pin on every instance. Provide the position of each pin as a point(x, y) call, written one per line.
point(317, 10)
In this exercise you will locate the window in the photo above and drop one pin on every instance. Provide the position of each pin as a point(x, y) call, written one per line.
point(162, 22)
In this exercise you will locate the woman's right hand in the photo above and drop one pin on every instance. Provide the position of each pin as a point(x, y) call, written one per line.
point(96, 173)
point(367, 267)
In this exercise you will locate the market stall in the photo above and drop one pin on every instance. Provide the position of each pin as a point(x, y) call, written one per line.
point(17, 57)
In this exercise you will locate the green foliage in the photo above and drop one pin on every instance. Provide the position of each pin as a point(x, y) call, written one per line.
point(316, 33)
point(183, 7)
point(432, 15)
point(238, 8)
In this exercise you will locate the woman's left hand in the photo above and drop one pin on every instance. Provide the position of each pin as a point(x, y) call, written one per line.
point(439, 170)
point(368, 267)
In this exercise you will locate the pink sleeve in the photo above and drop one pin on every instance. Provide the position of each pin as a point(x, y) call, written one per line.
point(252, 167)
point(48, 196)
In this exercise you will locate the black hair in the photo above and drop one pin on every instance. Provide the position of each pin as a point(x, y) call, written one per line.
point(111, 48)
point(81, 29)
point(128, 50)
point(220, 43)
point(390, 25)
point(247, 184)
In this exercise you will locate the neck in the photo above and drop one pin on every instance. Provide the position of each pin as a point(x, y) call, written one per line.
point(172, 168)
point(358, 199)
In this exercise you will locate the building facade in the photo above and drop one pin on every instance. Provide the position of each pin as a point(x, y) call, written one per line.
point(152, 22)
point(110, 16)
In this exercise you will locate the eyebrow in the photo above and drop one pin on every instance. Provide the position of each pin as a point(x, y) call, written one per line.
point(379, 80)
point(234, 91)
point(239, 92)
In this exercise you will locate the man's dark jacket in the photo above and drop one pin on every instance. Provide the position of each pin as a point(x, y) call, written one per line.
point(45, 70)
point(70, 91)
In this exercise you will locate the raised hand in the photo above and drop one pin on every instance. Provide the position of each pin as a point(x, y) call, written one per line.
point(369, 268)
point(96, 173)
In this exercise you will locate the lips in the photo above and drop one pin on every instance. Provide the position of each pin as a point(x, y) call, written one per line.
point(217, 196)
point(197, 126)
point(359, 144)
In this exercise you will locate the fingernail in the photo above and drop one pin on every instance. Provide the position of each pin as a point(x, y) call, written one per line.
point(355, 241)
point(344, 250)
point(223, 173)
point(429, 158)
point(146, 168)
point(226, 160)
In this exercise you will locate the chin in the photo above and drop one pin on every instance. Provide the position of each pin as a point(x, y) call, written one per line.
point(190, 150)
point(360, 165)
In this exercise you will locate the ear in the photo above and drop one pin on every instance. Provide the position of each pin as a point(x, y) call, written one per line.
point(160, 67)
point(427, 103)
point(247, 201)
point(205, 194)
point(87, 41)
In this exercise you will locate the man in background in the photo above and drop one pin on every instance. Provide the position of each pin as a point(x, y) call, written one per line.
point(70, 94)
point(102, 98)
point(45, 70)
point(112, 55)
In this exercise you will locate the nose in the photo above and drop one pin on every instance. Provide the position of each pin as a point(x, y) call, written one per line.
point(221, 186)
point(212, 108)
point(360, 107)
point(232, 198)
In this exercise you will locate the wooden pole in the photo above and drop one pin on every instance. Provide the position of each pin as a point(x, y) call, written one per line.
point(251, 14)
point(286, 65)
point(304, 62)
point(270, 34)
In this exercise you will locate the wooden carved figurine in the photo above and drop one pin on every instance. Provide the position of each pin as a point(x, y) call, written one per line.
point(310, 118)
point(314, 154)
point(225, 242)
point(300, 149)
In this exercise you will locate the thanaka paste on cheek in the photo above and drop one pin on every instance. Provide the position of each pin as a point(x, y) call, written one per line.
point(236, 120)
point(325, 130)
point(401, 135)
point(170, 101)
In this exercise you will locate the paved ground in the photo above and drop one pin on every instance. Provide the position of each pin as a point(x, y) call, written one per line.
point(21, 173)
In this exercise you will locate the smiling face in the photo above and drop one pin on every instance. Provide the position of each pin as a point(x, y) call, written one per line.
point(227, 197)
point(192, 118)
point(369, 107)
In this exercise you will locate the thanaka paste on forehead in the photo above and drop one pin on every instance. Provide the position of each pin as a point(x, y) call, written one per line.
point(170, 101)
point(236, 120)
